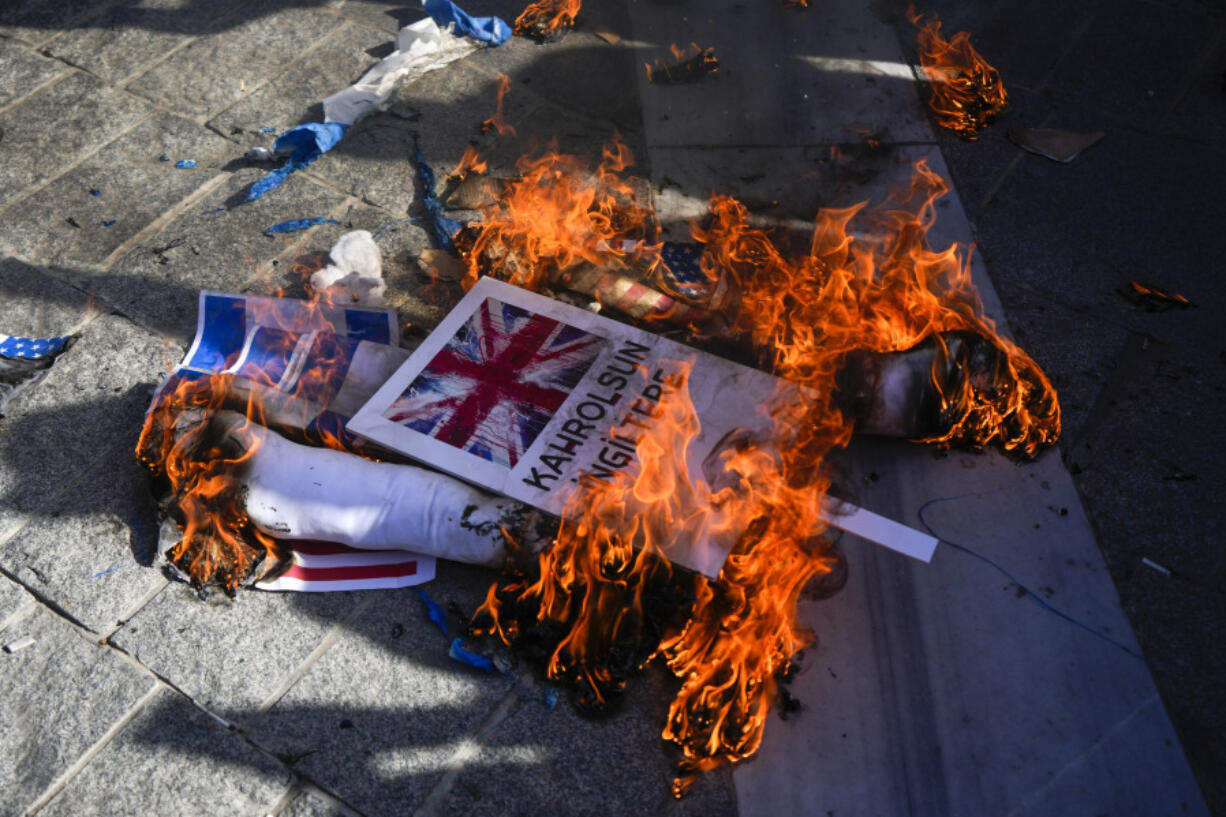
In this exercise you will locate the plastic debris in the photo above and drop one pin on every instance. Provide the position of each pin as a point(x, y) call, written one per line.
point(163, 158)
point(420, 48)
point(95, 192)
point(444, 228)
point(268, 129)
point(185, 164)
point(355, 275)
point(1058, 145)
point(489, 30)
point(435, 612)
point(107, 223)
point(302, 146)
point(1165, 571)
point(472, 659)
point(19, 644)
point(295, 225)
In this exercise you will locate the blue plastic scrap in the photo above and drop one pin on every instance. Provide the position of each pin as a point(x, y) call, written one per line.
point(489, 30)
point(107, 223)
point(435, 612)
point(463, 656)
point(185, 164)
point(444, 228)
point(298, 224)
point(303, 144)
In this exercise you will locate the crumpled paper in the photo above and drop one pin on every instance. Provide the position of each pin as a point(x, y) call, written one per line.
point(355, 275)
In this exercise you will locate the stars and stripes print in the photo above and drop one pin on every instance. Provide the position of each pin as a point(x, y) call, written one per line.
point(493, 387)
point(681, 272)
point(12, 346)
point(320, 567)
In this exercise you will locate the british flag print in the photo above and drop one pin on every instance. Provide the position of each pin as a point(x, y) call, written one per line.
point(493, 387)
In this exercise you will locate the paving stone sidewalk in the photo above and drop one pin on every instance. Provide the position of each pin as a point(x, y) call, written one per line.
point(136, 696)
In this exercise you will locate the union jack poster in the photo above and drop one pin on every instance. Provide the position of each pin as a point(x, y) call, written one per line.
point(497, 382)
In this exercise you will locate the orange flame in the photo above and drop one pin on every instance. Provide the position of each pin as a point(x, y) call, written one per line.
point(497, 122)
point(470, 162)
point(558, 213)
point(199, 460)
point(218, 545)
point(604, 599)
point(545, 18)
point(688, 64)
point(966, 92)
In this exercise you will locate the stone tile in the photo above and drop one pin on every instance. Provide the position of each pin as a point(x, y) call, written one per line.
point(85, 550)
point(122, 39)
point(793, 83)
point(61, 695)
point(158, 282)
point(34, 304)
point(580, 72)
point(1162, 47)
point(133, 188)
point(245, 55)
point(13, 597)
point(310, 802)
point(295, 95)
point(378, 718)
point(23, 70)
point(230, 654)
point(375, 160)
point(58, 126)
point(531, 764)
point(85, 412)
point(375, 163)
point(173, 759)
point(37, 21)
point(389, 16)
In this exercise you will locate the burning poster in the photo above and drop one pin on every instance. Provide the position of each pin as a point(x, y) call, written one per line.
point(530, 397)
point(304, 367)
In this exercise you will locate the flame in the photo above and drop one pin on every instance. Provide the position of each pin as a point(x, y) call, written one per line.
point(545, 18)
point(198, 462)
point(496, 122)
point(471, 162)
point(966, 92)
point(558, 213)
point(689, 63)
point(199, 459)
point(604, 599)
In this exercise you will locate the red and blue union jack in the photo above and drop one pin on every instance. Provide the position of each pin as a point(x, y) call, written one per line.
point(494, 386)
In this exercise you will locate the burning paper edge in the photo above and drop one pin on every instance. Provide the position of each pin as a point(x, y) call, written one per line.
point(879, 530)
point(369, 423)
